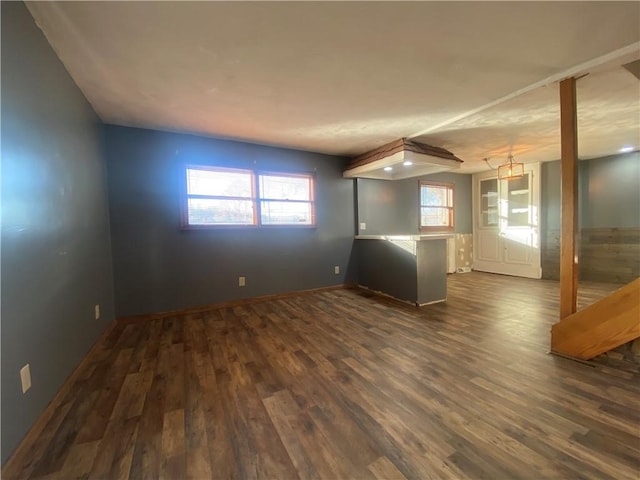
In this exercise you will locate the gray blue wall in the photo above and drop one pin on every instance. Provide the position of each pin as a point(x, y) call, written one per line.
point(550, 200)
point(611, 191)
point(56, 260)
point(393, 207)
point(609, 218)
point(57, 245)
point(608, 192)
point(159, 267)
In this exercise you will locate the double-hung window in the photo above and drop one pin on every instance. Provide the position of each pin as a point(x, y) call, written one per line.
point(286, 199)
point(436, 206)
point(217, 196)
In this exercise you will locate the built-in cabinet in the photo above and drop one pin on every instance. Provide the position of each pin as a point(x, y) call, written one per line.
point(506, 226)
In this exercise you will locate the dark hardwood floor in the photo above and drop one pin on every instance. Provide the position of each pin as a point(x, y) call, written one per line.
point(343, 384)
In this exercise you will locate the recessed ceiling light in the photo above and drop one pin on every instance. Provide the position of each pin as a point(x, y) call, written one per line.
point(626, 149)
point(407, 163)
point(388, 169)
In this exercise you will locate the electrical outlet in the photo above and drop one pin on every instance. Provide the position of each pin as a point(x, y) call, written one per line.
point(336, 270)
point(25, 378)
point(97, 312)
point(241, 281)
point(363, 226)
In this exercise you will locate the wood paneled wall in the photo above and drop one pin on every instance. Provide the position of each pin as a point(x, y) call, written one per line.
point(550, 254)
point(609, 255)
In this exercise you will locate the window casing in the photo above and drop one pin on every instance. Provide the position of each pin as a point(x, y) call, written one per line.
point(227, 197)
point(436, 207)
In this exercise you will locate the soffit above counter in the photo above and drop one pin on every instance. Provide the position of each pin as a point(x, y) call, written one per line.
point(402, 159)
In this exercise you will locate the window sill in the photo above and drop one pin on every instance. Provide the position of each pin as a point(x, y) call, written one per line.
point(245, 227)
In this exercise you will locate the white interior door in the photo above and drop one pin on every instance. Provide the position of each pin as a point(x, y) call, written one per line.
point(506, 223)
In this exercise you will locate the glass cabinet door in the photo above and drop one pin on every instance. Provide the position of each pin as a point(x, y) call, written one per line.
point(489, 202)
point(519, 202)
point(506, 229)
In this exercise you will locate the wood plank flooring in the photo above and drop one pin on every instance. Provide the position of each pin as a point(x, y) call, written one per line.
point(343, 384)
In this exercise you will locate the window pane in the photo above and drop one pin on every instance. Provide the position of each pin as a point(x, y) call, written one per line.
point(219, 182)
point(489, 202)
point(208, 211)
point(435, 196)
point(285, 188)
point(519, 201)
point(286, 213)
point(434, 217)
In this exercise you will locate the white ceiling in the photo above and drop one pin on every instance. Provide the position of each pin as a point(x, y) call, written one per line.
point(477, 78)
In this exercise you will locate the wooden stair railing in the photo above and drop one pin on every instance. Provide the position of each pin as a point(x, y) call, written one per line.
point(602, 326)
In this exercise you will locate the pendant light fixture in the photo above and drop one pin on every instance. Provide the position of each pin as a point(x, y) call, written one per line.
point(510, 170)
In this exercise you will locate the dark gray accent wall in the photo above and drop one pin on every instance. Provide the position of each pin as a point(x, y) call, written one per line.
point(159, 267)
point(393, 206)
point(56, 260)
point(386, 207)
point(413, 271)
point(550, 209)
point(385, 267)
point(432, 271)
point(611, 191)
point(609, 210)
point(550, 201)
point(608, 192)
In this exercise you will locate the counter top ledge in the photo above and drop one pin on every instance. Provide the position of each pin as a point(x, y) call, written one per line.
point(431, 236)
